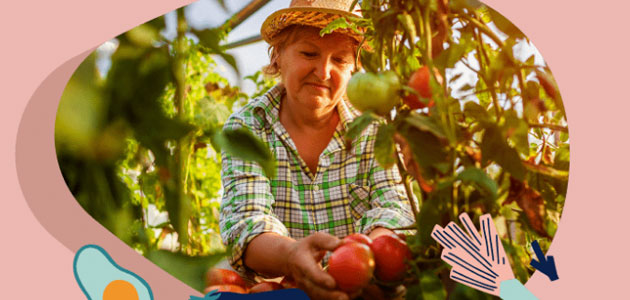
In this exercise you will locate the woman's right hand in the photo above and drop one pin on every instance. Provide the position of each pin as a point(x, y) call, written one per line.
point(302, 264)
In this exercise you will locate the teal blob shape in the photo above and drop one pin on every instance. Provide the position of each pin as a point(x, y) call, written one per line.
point(94, 269)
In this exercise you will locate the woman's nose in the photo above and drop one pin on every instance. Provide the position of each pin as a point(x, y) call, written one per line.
point(323, 69)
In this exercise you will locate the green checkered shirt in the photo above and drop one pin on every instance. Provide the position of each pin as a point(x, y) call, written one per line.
point(349, 192)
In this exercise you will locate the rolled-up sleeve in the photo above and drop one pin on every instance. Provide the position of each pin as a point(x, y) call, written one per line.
point(389, 204)
point(246, 208)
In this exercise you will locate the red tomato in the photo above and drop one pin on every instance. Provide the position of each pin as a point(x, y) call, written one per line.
point(352, 266)
point(419, 81)
point(222, 276)
point(358, 237)
point(231, 288)
point(390, 253)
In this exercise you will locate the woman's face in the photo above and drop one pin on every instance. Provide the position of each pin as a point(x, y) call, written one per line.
point(315, 70)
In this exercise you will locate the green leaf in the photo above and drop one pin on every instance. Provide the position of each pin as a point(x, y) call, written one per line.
point(480, 179)
point(476, 111)
point(494, 147)
point(504, 24)
point(143, 35)
point(432, 288)
point(178, 207)
point(384, 146)
point(81, 111)
point(449, 57)
point(481, 90)
point(243, 144)
point(338, 23)
point(412, 63)
point(189, 269)
point(484, 13)
point(359, 124)
point(519, 255)
point(211, 114)
point(561, 159)
point(431, 214)
point(370, 61)
point(407, 22)
point(425, 123)
point(428, 150)
point(517, 130)
point(211, 39)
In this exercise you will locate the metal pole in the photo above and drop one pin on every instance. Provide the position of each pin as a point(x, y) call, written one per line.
point(243, 42)
point(244, 13)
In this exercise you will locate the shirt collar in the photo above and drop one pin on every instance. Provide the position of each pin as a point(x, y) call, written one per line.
point(267, 106)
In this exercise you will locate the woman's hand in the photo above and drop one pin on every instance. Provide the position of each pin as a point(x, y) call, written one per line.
point(302, 264)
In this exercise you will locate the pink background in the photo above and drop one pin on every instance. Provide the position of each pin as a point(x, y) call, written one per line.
point(584, 44)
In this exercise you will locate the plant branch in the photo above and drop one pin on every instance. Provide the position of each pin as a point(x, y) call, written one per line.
point(549, 126)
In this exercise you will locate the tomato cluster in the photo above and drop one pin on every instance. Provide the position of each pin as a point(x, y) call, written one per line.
point(358, 260)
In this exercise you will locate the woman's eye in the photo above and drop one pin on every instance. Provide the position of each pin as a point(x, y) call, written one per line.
point(309, 54)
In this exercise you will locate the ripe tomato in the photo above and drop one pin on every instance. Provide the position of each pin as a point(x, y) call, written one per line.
point(420, 81)
point(375, 92)
point(352, 266)
point(358, 237)
point(217, 276)
point(390, 253)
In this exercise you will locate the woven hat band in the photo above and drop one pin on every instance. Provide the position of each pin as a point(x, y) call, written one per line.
point(342, 5)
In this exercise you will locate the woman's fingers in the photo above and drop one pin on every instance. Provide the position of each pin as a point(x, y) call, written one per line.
point(304, 262)
point(323, 241)
point(314, 273)
point(318, 243)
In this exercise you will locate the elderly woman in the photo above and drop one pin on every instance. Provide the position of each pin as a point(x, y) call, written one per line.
point(323, 190)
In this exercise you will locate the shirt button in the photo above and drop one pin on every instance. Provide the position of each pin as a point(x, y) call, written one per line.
point(316, 187)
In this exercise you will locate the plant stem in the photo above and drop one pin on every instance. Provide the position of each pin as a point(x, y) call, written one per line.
point(487, 31)
point(179, 74)
point(405, 178)
point(549, 126)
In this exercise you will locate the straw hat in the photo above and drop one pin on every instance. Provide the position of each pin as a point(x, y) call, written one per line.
point(316, 13)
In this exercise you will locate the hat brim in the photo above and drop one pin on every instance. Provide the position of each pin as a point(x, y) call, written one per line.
point(307, 16)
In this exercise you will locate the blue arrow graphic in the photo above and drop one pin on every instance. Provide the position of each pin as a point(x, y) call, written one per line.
point(213, 295)
point(546, 265)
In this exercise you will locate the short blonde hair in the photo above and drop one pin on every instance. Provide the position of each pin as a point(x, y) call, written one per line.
point(284, 38)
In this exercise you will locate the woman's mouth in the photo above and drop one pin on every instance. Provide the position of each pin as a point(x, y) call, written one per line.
point(318, 86)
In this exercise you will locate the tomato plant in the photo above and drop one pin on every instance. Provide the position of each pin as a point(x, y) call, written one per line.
point(485, 132)
point(138, 146)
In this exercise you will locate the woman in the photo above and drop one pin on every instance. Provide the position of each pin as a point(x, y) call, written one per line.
point(324, 190)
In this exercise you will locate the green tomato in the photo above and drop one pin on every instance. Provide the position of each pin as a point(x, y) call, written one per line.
point(369, 91)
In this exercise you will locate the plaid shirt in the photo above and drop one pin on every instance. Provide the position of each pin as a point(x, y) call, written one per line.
point(349, 192)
